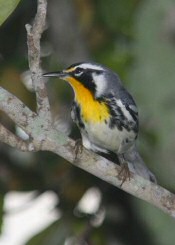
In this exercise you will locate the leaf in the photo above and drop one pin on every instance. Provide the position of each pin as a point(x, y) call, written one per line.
point(6, 8)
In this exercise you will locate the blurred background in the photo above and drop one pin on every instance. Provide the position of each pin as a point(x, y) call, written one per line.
point(44, 199)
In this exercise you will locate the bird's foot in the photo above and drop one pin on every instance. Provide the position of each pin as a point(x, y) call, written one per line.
point(78, 148)
point(124, 173)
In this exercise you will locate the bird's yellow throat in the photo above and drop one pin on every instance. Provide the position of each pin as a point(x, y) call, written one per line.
point(91, 109)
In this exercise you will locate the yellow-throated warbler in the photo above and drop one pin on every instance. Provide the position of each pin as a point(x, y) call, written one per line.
point(105, 113)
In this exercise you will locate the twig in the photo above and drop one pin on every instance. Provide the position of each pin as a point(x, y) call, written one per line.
point(16, 110)
point(33, 41)
point(29, 121)
point(9, 138)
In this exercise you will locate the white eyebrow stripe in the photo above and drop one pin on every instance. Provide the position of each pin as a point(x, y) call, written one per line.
point(90, 66)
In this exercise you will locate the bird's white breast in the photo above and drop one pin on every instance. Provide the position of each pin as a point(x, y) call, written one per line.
point(100, 137)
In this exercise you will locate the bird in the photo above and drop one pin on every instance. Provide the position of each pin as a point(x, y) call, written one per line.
point(106, 115)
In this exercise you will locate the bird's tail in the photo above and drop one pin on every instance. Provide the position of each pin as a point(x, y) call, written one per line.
point(137, 165)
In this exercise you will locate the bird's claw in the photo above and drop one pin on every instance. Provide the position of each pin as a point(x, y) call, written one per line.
point(78, 148)
point(124, 173)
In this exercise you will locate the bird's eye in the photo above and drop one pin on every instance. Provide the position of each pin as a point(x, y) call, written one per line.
point(78, 71)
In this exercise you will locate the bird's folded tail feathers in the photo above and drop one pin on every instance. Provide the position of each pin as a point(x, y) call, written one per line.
point(137, 165)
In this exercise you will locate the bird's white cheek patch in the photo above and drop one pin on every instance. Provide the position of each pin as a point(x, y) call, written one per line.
point(100, 82)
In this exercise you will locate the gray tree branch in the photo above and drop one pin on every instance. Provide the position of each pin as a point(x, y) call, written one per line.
point(43, 136)
point(16, 110)
point(12, 140)
point(33, 41)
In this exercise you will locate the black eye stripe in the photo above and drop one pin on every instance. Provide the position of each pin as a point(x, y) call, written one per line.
point(78, 70)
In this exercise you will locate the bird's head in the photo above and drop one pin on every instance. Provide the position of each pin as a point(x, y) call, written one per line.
point(93, 77)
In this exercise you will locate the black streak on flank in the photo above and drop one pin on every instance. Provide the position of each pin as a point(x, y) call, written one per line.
point(134, 115)
point(118, 119)
point(77, 115)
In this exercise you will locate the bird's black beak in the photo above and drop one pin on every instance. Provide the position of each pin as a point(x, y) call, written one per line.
point(60, 74)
